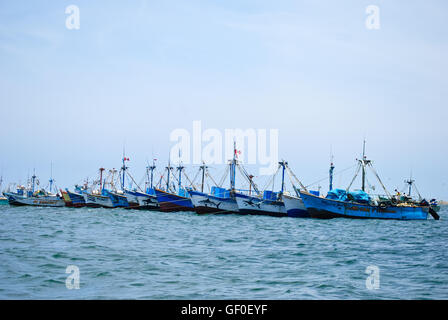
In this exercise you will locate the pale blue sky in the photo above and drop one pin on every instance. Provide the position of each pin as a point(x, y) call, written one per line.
point(136, 70)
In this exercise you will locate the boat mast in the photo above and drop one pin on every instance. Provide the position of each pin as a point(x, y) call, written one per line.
point(410, 182)
point(203, 167)
point(168, 169)
point(233, 168)
point(179, 169)
point(101, 178)
point(363, 168)
point(123, 169)
point(151, 168)
point(331, 172)
point(51, 176)
point(283, 164)
point(33, 179)
point(364, 162)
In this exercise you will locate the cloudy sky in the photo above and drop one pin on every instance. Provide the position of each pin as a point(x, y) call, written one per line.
point(137, 70)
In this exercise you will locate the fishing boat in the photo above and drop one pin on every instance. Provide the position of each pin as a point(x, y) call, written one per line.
point(219, 200)
point(138, 199)
point(270, 203)
point(170, 201)
point(74, 199)
point(409, 183)
point(3, 199)
point(40, 198)
point(342, 203)
point(294, 205)
point(97, 198)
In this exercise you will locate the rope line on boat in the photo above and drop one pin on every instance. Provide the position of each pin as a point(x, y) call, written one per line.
point(326, 178)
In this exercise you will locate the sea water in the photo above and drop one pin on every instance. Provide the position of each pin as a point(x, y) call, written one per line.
point(131, 254)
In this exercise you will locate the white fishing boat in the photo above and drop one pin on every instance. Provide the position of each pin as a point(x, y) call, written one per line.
point(39, 198)
point(97, 198)
point(269, 203)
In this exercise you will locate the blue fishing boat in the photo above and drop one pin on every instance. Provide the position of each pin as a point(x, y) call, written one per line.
point(143, 200)
point(170, 201)
point(74, 198)
point(358, 204)
point(219, 200)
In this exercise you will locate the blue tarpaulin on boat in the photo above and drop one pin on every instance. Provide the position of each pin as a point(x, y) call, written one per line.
point(337, 194)
point(316, 193)
point(220, 192)
point(342, 195)
point(269, 195)
point(360, 196)
point(183, 193)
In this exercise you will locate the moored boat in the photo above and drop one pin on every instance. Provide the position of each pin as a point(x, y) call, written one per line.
point(219, 200)
point(3, 199)
point(358, 204)
point(74, 199)
point(142, 200)
point(40, 198)
point(179, 200)
point(270, 203)
point(295, 207)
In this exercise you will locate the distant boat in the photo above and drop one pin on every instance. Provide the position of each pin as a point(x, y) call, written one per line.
point(341, 203)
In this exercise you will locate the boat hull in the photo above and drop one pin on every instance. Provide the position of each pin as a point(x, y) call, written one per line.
point(3, 201)
point(46, 201)
point(323, 208)
point(73, 200)
point(142, 201)
point(204, 203)
point(295, 207)
point(97, 201)
point(170, 202)
point(253, 205)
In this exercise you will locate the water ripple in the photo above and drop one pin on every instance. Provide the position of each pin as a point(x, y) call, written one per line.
point(154, 255)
